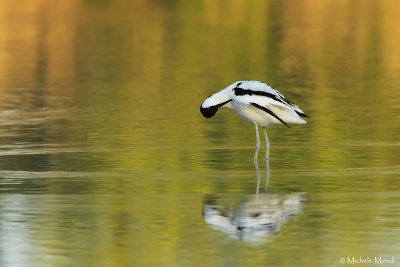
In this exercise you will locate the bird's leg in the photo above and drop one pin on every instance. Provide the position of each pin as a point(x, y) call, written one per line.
point(258, 142)
point(266, 174)
point(266, 144)
point(258, 177)
point(266, 159)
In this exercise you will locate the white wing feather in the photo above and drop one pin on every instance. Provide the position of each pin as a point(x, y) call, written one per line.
point(277, 103)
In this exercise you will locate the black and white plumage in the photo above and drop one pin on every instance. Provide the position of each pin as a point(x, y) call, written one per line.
point(257, 103)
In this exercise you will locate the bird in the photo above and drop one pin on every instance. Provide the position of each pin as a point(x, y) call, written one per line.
point(257, 103)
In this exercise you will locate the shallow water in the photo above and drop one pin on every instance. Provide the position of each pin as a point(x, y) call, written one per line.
point(107, 161)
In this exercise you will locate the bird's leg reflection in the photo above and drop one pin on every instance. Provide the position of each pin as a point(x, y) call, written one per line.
point(258, 176)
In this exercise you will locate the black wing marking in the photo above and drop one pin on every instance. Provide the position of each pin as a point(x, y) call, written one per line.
point(269, 112)
point(302, 114)
point(240, 91)
point(279, 97)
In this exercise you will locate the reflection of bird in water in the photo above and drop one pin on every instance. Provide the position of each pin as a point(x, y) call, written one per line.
point(256, 103)
point(256, 216)
point(265, 212)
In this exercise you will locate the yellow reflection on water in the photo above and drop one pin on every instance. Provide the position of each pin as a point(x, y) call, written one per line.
point(103, 97)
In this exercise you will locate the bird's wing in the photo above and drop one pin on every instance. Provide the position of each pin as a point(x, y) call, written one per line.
point(270, 112)
point(248, 92)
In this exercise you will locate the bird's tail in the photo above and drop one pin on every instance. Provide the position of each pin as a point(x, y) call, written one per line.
point(288, 115)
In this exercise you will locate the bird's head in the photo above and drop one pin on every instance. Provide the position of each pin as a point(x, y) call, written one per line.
point(209, 108)
point(211, 105)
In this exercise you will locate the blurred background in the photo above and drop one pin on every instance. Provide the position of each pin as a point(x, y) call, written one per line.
point(105, 159)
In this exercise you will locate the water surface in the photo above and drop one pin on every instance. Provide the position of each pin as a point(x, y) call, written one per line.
point(107, 161)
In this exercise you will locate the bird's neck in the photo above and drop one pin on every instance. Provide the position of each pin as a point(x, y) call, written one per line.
point(220, 97)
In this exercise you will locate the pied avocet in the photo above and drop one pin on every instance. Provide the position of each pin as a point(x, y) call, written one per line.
point(256, 103)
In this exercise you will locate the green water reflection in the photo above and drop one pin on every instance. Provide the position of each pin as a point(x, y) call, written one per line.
point(106, 159)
